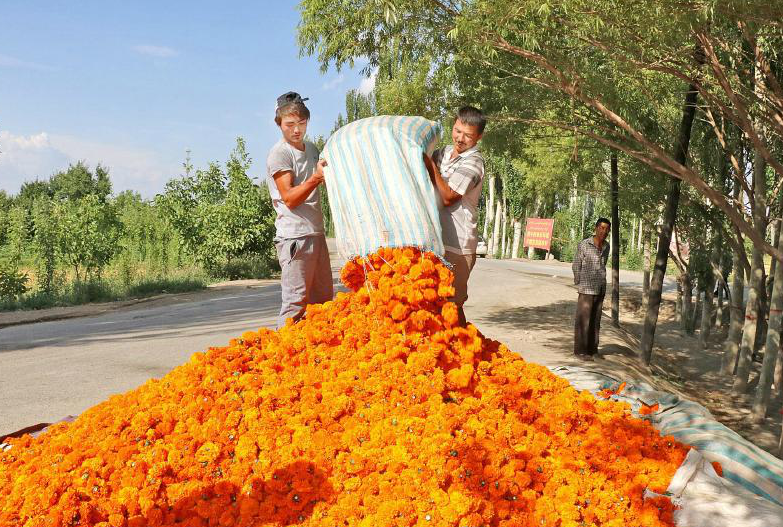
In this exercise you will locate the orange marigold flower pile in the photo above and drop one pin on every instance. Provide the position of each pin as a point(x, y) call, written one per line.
point(374, 410)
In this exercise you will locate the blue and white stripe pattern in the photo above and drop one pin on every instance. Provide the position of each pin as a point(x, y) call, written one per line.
point(380, 193)
point(690, 423)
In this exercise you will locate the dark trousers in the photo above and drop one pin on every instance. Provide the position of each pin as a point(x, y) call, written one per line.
point(587, 323)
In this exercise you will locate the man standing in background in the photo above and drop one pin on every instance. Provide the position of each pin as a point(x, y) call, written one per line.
point(589, 269)
point(294, 175)
point(457, 171)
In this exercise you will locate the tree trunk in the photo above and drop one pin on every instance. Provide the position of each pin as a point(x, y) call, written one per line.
point(761, 325)
point(779, 374)
point(669, 217)
point(773, 265)
point(678, 304)
point(719, 309)
point(490, 208)
point(706, 313)
point(496, 230)
point(761, 401)
point(697, 309)
point(490, 216)
point(503, 233)
point(709, 293)
point(752, 312)
point(646, 276)
point(615, 242)
point(736, 313)
point(642, 232)
point(517, 238)
point(687, 301)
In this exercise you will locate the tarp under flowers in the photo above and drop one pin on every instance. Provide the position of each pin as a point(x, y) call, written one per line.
point(740, 460)
point(374, 410)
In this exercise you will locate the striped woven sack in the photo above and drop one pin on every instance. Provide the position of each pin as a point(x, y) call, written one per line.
point(380, 193)
point(690, 423)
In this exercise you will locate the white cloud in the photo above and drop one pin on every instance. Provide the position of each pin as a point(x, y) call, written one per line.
point(332, 84)
point(26, 158)
point(13, 62)
point(156, 51)
point(368, 83)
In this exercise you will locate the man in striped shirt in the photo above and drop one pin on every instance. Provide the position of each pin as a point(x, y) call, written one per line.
point(589, 269)
point(457, 171)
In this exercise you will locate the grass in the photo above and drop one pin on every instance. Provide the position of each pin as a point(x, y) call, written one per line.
point(105, 290)
point(127, 279)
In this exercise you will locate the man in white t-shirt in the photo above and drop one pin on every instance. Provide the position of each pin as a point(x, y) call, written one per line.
point(294, 175)
point(457, 171)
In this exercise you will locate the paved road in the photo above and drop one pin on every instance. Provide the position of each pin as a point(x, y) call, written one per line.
point(563, 270)
point(52, 369)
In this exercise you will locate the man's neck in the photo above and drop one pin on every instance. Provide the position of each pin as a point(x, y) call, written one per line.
point(299, 146)
point(598, 242)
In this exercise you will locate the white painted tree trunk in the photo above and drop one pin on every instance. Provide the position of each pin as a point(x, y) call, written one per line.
point(503, 236)
point(517, 238)
point(488, 214)
point(640, 241)
point(496, 230)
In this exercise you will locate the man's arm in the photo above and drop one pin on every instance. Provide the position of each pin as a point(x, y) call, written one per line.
point(295, 195)
point(576, 267)
point(447, 195)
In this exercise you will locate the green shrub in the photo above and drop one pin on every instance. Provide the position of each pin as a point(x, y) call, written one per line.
point(166, 285)
point(247, 267)
point(84, 292)
point(13, 283)
point(634, 260)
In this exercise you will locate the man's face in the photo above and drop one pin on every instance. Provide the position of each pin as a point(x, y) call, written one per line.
point(602, 231)
point(464, 136)
point(294, 128)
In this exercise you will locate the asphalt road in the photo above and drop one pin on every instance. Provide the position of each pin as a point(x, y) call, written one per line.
point(49, 370)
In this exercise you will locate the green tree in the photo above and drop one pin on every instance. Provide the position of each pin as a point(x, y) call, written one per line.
point(45, 243)
point(89, 234)
point(78, 181)
point(17, 235)
point(221, 215)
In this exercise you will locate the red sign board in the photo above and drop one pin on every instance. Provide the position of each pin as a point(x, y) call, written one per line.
point(538, 233)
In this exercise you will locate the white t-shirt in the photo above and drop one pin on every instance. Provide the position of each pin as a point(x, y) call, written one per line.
point(306, 219)
point(464, 174)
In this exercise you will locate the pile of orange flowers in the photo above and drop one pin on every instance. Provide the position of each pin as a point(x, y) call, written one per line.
point(374, 410)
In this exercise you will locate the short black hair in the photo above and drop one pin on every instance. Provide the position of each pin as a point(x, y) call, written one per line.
point(472, 116)
point(599, 221)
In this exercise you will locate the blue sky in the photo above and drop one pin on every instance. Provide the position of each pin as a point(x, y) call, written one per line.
point(132, 85)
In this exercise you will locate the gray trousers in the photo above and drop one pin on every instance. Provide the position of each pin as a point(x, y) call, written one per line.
point(306, 275)
point(587, 323)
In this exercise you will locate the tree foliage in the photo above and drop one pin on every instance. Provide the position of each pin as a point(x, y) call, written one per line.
point(220, 215)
